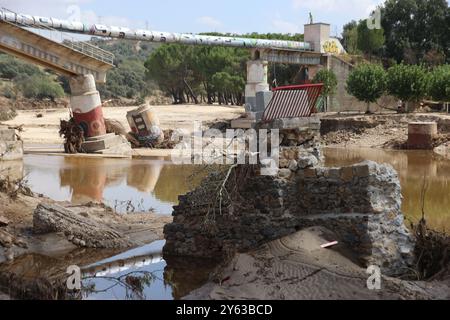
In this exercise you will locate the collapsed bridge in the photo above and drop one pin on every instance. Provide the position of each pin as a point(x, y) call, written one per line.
point(82, 61)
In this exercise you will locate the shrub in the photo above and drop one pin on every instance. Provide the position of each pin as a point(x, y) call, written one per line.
point(367, 83)
point(11, 68)
point(7, 90)
point(39, 87)
point(408, 83)
point(439, 85)
point(329, 80)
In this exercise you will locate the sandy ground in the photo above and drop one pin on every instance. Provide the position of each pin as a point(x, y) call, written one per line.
point(45, 130)
point(297, 268)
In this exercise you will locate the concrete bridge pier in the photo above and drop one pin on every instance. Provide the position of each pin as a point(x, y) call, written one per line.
point(88, 113)
point(257, 80)
point(87, 106)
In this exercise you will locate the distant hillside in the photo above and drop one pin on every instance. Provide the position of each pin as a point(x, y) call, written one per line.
point(124, 50)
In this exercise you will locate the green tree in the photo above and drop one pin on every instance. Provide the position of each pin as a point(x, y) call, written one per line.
point(168, 67)
point(367, 83)
point(127, 80)
point(415, 27)
point(439, 87)
point(408, 83)
point(350, 37)
point(330, 82)
point(369, 41)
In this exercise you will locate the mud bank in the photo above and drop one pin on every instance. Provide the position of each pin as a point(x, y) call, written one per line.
point(389, 131)
point(43, 234)
point(297, 268)
point(30, 221)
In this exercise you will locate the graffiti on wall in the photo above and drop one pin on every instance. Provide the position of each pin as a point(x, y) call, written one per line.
point(330, 46)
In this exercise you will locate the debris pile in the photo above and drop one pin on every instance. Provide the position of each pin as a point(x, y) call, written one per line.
point(73, 136)
point(114, 126)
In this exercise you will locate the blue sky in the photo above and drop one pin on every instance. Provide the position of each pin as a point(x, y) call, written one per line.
point(237, 16)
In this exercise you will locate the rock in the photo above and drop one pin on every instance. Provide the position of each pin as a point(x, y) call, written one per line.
point(271, 172)
point(9, 254)
point(310, 173)
point(284, 163)
point(285, 173)
point(307, 161)
point(6, 239)
point(3, 221)
point(50, 218)
point(347, 174)
point(293, 165)
point(21, 243)
point(269, 167)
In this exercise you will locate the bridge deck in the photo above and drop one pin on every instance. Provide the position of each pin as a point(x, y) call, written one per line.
point(59, 57)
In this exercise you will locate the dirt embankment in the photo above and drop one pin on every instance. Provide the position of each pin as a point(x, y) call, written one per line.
point(40, 238)
point(33, 104)
point(389, 131)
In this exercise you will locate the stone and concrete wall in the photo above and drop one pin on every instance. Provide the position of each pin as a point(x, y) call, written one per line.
point(341, 100)
point(360, 203)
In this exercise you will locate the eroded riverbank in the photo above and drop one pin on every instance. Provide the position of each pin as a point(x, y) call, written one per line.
point(383, 131)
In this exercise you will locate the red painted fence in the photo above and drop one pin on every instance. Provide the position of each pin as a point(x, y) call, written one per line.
point(292, 102)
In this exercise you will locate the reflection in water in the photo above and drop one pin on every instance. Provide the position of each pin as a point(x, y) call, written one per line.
point(147, 184)
point(36, 276)
point(412, 167)
point(172, 279)
point(103, 275)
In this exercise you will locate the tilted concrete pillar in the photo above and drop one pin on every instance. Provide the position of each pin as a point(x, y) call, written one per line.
point(257, 80)
point(87, 106)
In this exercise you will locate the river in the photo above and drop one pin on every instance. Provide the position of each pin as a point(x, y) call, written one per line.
point(143, 185)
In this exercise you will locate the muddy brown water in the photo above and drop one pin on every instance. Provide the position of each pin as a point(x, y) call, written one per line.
point(125, 185)
point(144, 185)
point(156, 184)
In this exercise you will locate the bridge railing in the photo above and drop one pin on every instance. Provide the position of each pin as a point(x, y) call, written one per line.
point(293, 102)
point(64, 39)
point(90, 50)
